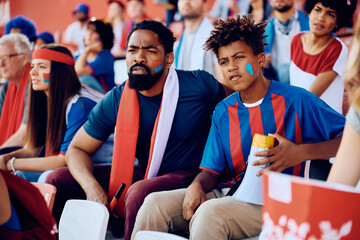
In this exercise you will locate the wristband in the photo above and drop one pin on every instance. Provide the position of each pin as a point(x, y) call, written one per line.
point(12, 164)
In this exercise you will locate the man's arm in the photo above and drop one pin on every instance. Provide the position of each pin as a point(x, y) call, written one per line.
point(17, 139)
point(81, 67)
point(79, 162)
point(195, 193)
point(288, 154)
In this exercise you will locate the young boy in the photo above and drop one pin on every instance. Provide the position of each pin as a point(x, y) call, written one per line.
point(304, 126)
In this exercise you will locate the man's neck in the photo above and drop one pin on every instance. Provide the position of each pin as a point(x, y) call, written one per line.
point(192, 24)
point(158, 87)
point(284, 16)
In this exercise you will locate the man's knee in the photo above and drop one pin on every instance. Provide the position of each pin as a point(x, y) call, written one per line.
point(58, 176)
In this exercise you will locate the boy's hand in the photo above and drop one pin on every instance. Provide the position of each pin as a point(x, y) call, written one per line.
point(286, 154)
point(194, 197)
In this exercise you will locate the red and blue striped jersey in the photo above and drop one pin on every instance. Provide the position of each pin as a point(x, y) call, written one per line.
point(292, 112)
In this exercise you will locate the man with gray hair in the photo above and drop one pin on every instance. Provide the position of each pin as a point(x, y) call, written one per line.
point(14, 67)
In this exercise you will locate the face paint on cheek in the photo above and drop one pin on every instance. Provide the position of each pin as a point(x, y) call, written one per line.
point(251, 68)
point(157, 66)
point(46, 77)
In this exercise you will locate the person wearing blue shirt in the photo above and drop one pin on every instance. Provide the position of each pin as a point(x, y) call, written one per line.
point(158, 111)
point(95, 65)
point(303, 125)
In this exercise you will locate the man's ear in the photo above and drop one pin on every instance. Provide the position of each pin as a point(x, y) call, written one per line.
point(261, 59)
point(169, 59)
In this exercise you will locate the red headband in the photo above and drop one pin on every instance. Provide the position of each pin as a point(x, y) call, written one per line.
point(52, 55)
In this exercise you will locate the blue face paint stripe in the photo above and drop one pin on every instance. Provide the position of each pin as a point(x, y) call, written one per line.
point(158, 68)
point(249, 69)
point(46, 80)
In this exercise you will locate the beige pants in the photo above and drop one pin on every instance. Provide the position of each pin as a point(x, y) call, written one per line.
point(217, 218)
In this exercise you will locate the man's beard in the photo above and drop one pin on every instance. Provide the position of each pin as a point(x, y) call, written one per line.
point(284, 8)
point(143, 82)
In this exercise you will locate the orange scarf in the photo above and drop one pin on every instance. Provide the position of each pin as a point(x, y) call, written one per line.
point(13, 107)
point(126, 134)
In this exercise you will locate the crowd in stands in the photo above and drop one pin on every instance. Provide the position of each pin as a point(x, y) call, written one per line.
point(178, 131)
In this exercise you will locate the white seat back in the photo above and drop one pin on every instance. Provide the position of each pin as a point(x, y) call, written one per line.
point(152, 235)
point(82, 219)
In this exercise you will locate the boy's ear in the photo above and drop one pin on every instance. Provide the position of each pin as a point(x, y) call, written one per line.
point(261, 59)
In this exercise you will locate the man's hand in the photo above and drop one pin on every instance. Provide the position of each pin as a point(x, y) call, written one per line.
point(234, 7)
point(267, 60)
point(194, 197)
point(95, 192)
point(286, 154)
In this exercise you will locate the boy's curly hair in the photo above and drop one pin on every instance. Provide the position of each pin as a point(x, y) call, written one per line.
point(241, 28)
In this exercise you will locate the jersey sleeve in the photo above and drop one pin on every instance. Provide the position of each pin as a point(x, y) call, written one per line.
point(318, 120)
point(78, 114)
point(213, 158)
point(102, 119)
point(103, 63)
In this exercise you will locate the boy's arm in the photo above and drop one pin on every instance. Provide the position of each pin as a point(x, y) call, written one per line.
point(288, 154)
point(195, 193)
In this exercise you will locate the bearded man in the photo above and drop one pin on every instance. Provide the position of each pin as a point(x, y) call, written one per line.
point(161, 118)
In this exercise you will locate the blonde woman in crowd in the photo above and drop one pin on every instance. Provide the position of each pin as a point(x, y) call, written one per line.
point(346, 169)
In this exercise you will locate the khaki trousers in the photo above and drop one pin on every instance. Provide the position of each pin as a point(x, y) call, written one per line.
point(217, 218)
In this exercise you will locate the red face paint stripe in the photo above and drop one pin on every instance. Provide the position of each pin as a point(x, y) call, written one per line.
point(235, 139)
point(46, 75)
point(279, 108)
point(254, 68)
point(255, 119)
point(157, 64)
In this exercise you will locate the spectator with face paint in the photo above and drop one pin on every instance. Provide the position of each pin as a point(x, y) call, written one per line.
point(295, 117)
point(58, 106)
point(95, 66)
point(161, 117)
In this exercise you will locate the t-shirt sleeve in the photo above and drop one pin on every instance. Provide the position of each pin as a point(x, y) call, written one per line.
point(215, 89)
point(213, 158)
point(103, 63)
point(336, 56)
point(353, 118)
point(78, 114)
point(102, 119)
point(318, 120)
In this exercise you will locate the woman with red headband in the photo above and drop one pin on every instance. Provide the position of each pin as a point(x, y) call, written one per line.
point(58, 106)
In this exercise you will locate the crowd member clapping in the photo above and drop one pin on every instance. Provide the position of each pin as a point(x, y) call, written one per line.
point(58, 106)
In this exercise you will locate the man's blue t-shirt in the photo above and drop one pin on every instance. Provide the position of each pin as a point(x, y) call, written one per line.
point(294, 113)
point(199, 92)
point(103, 69)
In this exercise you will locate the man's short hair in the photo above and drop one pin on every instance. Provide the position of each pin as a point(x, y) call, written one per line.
point(235, 29)
point(344, 11)
point(166, 37)
point(20, 41)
